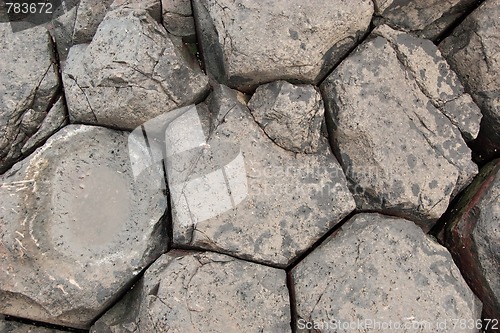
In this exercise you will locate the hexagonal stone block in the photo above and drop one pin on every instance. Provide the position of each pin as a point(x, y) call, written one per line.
point(247, 43)
point(131, 72)
point(473, 51)
point(473, 237)
point(77, 225)
point(400, 147)
point(425, 18)
point(235, 191)
point(202, 292)
point(385, 270)
point(30, 103)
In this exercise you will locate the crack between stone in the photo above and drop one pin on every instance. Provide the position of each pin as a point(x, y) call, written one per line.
point(86, 97)
point(191, 171)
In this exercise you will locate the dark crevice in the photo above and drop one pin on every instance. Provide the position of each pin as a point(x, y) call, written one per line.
point(123, 292)
point(168, 214)
point(449, 30)
point(198, 44)
point(330, 232)
point(293, 301)
point(42, 324)
point(360, 41)
point(190, 247)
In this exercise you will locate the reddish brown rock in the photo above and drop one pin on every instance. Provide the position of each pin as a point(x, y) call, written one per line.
point(473, 237)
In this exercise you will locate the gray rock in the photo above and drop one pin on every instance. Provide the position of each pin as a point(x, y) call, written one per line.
point(178, 18)
point(473, 237)
point(77, 225)
point(245, 43)
point(383, 269)
point(435, 79)
point(426, 18)
point(202, 292)
point(473, 51)
point(152, 7)
point(291, 115)
point(56, 118)
point(401, 154)
point(79, 24)
point(29, 86)
point(129, 73)
point(235, 191)
point(89, 15)
point(8, 326)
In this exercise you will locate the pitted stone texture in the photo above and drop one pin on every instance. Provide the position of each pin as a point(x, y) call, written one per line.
point(203, 292)
point(425, 18)
point(29, 87)
point(435, 79)
point(473, 237)
point(246, 43)
point(79, 24)
point(8, 326)
point(401, 154)
point(385, 269)
point(178, 18)
point(235, 191)
point(473, 51)
point(129, 73)
point(76, 226)
point(291, 115)
point(89, 15)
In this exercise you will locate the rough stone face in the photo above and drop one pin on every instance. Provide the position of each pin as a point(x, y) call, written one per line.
point(235, 191)
point(29, 92)
point(380, 268)
point(129, 73)
point(401, 152)
point(473, 51)
point(76, 226)
point(426, 18)
point(178, 18)
point(203, 292)
point(473, 237)
point(291, 115)
point(246, 43)
point(79, 24)
point(435, 79)
point(7, 326)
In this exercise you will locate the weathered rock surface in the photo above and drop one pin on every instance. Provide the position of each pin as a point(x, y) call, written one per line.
point(178, 18)
point(473, 51)
point(7, 326)
point(473, 237)
point(129, 73)
point(426, 18)
point(384, 269)
point(77, 21)
point(76, 226)
point(235, 191)
point(29, 92)
point(399, 147)
point(202, 292)
point(246, 43)
point(291, 115)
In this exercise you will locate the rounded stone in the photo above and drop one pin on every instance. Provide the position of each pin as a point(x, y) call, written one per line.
point(77, 225)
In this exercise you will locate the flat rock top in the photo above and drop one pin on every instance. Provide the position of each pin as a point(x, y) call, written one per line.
point(401, 152)
point(205, 292)
point(383, 268)
point(238, 192)
point(69, 211)
point(254, 42)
